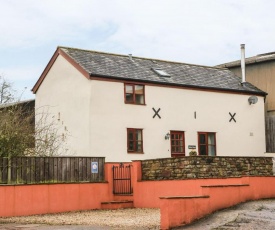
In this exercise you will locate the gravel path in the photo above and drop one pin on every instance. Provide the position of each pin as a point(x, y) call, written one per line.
point(135, 219)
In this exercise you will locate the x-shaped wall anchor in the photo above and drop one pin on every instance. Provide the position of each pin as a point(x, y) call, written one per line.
point(156, 113)
point(232, 117)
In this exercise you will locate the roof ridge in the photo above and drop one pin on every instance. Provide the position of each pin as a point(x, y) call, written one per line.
point(265, 54)
point(263, 57)
point(144, 58)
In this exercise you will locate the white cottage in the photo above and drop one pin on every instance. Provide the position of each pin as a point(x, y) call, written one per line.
point(129, 108)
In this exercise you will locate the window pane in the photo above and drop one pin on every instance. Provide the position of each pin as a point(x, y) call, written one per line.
point(202, 139)
point(139, 99)
point(203, 150)
point(211, 150)
point(129, 89)
point(130, 135)
point(139, 89)
point(139, 94)
point(211, 138)
point(131, 146)
point(129, 93)
point(139, 147)
point(129, 97)
point(138, 135)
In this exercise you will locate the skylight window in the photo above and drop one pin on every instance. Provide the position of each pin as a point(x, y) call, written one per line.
point(161, 72)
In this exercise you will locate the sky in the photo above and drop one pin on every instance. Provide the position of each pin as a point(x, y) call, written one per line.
point(203, 32)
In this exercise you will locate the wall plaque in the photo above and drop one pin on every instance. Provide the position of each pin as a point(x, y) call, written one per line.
point(94, 167)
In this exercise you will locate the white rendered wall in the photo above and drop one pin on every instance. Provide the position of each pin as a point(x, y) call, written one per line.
point(112, 117)
point(97, 118)
point(65, 93)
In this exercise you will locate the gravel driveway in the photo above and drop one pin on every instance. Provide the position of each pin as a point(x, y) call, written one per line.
point(135, 219)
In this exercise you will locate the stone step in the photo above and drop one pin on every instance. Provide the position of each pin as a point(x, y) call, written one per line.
point(117, 204)
point(123, 197)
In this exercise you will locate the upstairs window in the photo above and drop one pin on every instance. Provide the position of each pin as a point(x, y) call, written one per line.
point(134, 94)
point(207, 144)
point(177, 143)
point(134, 141)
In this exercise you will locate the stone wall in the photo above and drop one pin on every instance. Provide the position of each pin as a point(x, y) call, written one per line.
point(205, 167)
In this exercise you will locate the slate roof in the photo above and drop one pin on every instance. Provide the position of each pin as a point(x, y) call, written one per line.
point(251, 60)
point(107, 65)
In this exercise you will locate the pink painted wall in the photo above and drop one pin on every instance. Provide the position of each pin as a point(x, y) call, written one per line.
point(19, 200)
point(180, 201)
point(22, 200)
point(181, 210)
point(147, 193)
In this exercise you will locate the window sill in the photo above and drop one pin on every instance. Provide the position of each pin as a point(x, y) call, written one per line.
point(133, 103)
point(135, 152)
point(178, 155)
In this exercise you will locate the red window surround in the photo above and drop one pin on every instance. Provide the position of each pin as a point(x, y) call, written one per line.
point(134, 94)
point(207, 143)
point(177, 141)
point(134, 140)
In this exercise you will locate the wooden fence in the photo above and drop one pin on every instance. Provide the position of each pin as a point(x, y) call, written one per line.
point(35, 170)
point(270, 134)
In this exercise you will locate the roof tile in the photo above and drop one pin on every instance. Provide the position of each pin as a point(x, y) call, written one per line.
point(140, 69)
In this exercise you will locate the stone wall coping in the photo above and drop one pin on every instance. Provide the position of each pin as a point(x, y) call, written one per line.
point(224, 185)
point(186, 157)
point(117, 202)
point(183, 197)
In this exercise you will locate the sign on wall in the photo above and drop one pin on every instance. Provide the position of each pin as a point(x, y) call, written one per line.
point(94, 167)
point(191, 146)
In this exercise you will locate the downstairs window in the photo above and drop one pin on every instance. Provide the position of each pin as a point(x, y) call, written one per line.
point(134, 141)
point(207, 144)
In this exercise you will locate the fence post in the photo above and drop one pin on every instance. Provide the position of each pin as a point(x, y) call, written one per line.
point(9, 169)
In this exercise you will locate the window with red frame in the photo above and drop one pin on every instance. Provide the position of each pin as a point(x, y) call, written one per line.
point(134, 141)
point(177, 143)
point(207, 144)
point(134, 94)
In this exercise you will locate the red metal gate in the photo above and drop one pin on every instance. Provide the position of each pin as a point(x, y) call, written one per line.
point(122, 179)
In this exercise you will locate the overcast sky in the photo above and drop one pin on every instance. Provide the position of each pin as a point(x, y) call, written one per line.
point(204, 32)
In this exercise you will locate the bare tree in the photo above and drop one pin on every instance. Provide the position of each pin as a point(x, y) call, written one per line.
point(50, 137)
point(26, 132)
point(6, 91)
